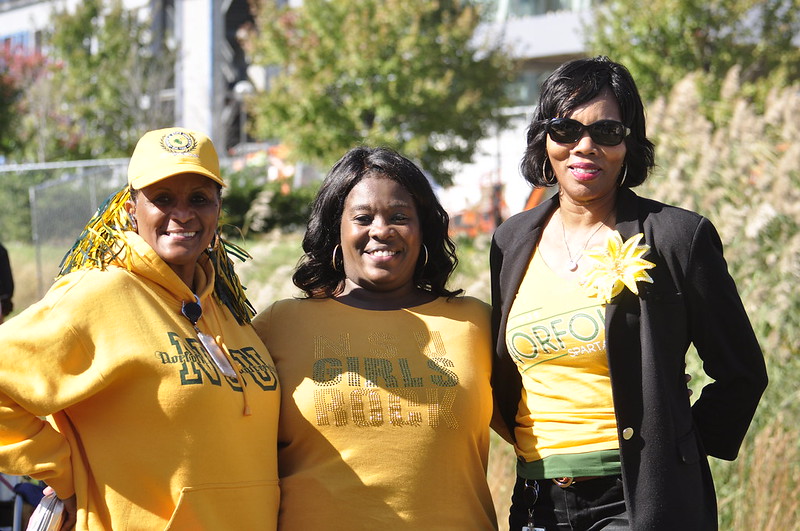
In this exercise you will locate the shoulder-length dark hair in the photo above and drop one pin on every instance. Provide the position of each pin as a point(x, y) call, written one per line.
point(316, 274)
point(577, 82)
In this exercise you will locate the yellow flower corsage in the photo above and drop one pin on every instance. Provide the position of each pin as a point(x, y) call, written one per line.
point(615, 266)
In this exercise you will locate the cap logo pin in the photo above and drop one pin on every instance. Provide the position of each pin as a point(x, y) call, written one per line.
point(178, 142)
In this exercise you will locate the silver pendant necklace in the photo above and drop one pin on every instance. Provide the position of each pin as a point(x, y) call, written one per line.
point(572, 263)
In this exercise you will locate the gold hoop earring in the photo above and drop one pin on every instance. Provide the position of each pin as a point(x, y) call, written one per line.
point(544, 174)
point(333, 258)
point(624, 175)
point(214, 240)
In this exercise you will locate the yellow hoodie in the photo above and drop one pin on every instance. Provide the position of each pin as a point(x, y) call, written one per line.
point(144, 429)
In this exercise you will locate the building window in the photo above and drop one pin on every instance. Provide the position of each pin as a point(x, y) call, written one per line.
point(524, 90)
point(523, 8)
point(503, 9)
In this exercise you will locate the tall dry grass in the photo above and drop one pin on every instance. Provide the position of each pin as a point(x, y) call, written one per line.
point(762, 493)
point(742, 171)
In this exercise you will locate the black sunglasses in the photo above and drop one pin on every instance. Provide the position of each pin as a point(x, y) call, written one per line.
point(603, 132)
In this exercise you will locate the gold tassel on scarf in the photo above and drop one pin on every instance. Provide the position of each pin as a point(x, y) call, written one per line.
point(227, 286)
point(101, 240)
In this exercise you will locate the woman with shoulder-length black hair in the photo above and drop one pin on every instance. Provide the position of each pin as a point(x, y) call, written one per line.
point(385, 371)
point(597, 295)
point(317, 275)
point(572, 85)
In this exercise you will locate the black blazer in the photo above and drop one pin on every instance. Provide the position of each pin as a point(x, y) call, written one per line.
point(693, 299)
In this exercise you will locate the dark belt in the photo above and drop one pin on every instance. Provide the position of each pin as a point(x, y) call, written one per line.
point(567, 481)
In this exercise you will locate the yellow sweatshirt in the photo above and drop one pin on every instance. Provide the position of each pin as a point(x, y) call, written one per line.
point(144, 430)
point(385, 415)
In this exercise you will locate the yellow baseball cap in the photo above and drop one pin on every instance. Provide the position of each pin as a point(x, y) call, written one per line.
point(167, 152)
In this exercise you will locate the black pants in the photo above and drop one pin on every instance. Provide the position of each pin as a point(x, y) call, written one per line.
point(583, 506)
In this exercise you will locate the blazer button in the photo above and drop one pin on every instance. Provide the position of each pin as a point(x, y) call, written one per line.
point(627, 433)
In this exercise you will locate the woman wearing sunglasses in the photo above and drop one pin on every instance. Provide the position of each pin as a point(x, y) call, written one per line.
point(597, 295)
point(162, 401)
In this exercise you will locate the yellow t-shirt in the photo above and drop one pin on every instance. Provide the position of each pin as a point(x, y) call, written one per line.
point(385, 416)
point(556, 336)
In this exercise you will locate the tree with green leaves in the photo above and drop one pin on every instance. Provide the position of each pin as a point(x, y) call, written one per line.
point(9, 94)
point(408, 74)
point(102, 87)
point(667, 39)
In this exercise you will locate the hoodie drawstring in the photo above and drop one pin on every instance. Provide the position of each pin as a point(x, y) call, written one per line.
point(246, 411)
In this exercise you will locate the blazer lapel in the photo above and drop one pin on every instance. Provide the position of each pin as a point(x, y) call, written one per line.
point(628, 223)
point(619, 338)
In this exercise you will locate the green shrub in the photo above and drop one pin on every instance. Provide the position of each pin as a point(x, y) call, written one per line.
point(243, 188)
point(277, 208)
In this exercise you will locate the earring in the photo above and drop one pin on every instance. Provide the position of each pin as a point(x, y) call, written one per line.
point(333, 258)
point(544, 174)
point(624, 175)
point(132, 220)
point(424, 248)
point(214, 240)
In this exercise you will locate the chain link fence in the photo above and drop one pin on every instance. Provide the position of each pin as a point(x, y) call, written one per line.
point(49, 204)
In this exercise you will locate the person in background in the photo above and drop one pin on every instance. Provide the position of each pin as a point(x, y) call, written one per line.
point(6, 285)
point(162, 401)
point(597, 295)
point(385, 372)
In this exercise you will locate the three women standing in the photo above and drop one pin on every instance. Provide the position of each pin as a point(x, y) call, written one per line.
point(597, 295)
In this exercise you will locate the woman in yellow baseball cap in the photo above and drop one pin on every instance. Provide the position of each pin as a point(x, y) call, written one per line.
point(161, 401)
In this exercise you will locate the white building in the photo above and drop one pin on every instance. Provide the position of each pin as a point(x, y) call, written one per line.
point(540, 34)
